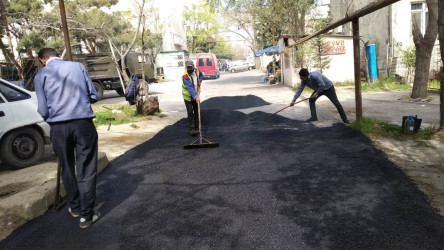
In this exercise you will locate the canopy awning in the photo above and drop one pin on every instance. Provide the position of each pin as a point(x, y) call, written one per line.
point(272, 49)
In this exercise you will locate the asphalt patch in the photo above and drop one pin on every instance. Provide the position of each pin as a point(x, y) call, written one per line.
point(272, 184)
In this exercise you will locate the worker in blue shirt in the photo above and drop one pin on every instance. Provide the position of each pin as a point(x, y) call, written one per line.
point(191, 81)
point(65, 93)
point(321, 86)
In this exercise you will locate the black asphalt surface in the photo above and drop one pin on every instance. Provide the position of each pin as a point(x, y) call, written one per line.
point(272, 184)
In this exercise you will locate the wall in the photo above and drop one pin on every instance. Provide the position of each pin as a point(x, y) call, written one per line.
point(173, 63)
point(341, 65)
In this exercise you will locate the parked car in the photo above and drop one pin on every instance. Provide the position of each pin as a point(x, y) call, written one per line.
point(207, 64)
point(235, 67)
point(251, 65)
point(23, 133)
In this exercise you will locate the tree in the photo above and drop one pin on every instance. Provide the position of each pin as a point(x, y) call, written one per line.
point(152, 30)
point(202, 27)
point(441, 46)
point(15, 19)
point(424, 46)
point(408, 60)
point(318, 47)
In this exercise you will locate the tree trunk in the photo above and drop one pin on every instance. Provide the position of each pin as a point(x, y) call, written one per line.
point(441, 45)
point(422, 65)
point(424, 46)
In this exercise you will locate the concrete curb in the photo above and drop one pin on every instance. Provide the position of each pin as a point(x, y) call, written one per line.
point(35, 201)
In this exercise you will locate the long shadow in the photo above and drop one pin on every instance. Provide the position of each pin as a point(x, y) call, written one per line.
point(273, 183)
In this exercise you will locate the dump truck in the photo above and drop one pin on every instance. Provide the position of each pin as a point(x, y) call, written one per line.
point(102, 69)
point(104, 73)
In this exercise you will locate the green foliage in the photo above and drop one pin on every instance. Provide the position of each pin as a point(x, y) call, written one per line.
point(408, 60)
point(128, 114)
point(408, 57)
point(202, 27)
point(31, 41)
point(386, 84)
point(373, 129)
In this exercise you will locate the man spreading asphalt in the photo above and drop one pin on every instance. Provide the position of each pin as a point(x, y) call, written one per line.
point(65, 93)
point(191, 81)
point(321, 86)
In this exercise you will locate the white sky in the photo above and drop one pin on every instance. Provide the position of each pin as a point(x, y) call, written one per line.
point(127, 4)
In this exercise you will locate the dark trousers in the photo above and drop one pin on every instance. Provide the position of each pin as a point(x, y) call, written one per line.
point(330, 94)
point(75, 144)
point(193, 116)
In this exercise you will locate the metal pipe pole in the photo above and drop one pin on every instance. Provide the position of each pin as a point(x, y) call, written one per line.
point(65, 29)
point(357, 63)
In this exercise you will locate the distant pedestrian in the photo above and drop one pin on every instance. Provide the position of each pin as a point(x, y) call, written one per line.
point(191, 81)
point(321, 86)
point(224, 66)
point(65, 93)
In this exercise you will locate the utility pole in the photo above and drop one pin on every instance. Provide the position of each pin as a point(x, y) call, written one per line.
point(357, 63)
point(65, 29)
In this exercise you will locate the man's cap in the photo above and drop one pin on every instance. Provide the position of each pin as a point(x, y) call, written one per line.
point(189, 63)
point(303, 72)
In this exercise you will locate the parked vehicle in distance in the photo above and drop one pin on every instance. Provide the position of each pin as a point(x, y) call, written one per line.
point(241, 66)
point(103, 70)
point(207, 64)
point(23, 133)
point(251, 65)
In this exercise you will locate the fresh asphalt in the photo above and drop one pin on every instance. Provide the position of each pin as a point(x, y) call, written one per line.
point(274, 183)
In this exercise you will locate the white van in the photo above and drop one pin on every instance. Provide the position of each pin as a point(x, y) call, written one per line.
point(23, 133)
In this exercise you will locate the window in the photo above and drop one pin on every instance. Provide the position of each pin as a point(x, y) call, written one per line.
point(1, 100)
point(209, 61)
point(201, 62)
point(12, 94)
point(420, 15)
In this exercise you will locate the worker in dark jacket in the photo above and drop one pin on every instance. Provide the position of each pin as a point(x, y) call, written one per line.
point(191, 81)
point(321, 86)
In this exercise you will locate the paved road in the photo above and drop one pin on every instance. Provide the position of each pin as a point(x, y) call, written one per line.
point(274, 183)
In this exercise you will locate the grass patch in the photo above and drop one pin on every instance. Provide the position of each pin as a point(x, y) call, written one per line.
point(386, 84)
point(121, 113)
point(373, 129)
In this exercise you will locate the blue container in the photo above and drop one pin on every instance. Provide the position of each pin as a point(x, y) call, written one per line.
point(370, 51)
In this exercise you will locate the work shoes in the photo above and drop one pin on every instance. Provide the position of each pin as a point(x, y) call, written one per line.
point(194, 132)
point(73, 214)
point(84, 223)
point(312, 120)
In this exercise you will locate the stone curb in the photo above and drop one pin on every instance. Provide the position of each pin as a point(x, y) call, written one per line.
point(35, 201)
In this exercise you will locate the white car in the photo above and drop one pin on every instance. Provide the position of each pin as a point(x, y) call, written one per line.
point(23, 133)
point(235, 67)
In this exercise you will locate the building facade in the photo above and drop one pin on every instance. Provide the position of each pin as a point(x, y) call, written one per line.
point(389, 29)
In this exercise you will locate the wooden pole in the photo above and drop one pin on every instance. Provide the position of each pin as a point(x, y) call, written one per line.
point(357, 63)
point(65, 29)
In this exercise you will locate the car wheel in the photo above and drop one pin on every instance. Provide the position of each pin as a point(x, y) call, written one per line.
point(99, 90)
point(249, 68)
point(119, 91)
point(22, 148)
point(233, 71)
